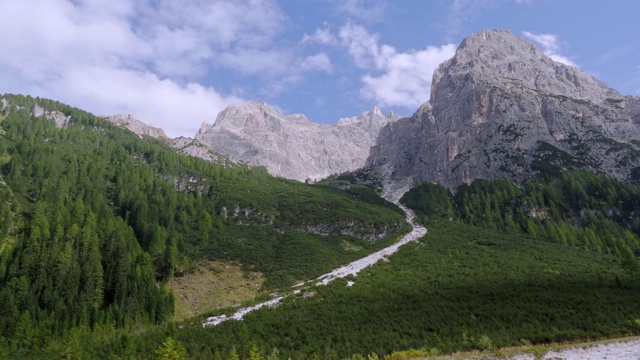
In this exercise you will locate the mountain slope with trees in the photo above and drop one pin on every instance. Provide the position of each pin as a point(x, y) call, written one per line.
point(94, 220)
point(468, 284)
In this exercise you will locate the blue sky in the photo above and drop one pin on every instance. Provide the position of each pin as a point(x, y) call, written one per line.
point(175, 64)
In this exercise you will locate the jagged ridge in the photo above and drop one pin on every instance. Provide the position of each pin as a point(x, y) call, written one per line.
point(291, 146)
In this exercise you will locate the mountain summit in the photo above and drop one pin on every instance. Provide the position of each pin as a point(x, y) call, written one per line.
point(291, 146)
point(501, 109)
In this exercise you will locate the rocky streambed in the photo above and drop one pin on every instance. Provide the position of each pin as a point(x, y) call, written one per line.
point(352, 268)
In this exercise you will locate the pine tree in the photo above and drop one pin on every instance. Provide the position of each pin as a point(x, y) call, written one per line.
point(71, 348)
point(233, 354)
point(171, 350)
point(254, 353)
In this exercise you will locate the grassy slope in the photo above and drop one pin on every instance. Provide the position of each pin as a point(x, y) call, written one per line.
point(213, 285)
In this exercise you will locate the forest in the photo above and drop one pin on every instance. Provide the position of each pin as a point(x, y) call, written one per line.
point(95, 221)
point(462, 287)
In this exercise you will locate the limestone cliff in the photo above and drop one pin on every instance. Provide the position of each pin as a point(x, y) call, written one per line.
point(291, 146)
point(501, 109)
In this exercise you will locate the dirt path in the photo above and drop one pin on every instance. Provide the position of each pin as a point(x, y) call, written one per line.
point(353, 268)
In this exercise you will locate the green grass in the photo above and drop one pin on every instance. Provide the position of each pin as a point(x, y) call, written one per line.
point(215, 285)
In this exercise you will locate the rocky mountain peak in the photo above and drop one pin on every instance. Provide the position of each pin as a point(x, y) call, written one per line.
point(292, 146)
point(253, 115)
point(506, 60)
point(499, 106)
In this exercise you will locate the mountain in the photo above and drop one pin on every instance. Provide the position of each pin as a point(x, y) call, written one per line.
point(136, 126)
point(291, 146)
point(182, 145)
point(106, 236)
point(96, 222)
point(500, 108)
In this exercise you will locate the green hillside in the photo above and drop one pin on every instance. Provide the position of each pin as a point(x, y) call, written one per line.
point(94, 220)
point(462, 287)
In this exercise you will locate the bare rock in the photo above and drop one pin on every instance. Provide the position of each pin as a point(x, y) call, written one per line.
point(58, 117)
point(136, 126)
point(291, 146)
point(501, 109)
point(195, 148)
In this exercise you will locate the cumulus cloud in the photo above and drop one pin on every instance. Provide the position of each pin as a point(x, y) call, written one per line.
point(178, 109)
point(395, 78)
point(550, 45)
point(144, 57)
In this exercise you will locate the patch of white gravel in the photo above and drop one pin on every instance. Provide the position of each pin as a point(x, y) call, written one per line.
point(355, 267)
point(623, 350)
point(392, 192)
point(238, 315)
point(615, 350)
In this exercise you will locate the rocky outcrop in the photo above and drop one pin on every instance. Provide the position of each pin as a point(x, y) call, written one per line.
point(197, 149)
point(58, 117)
point(501, 109)
point(291, 146)
point(136, 126)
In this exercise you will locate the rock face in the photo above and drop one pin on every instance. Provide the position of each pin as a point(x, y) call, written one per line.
point(291, 146)
point(136, 126)
point(501, 109)
point(59, 118)
point(195, 148)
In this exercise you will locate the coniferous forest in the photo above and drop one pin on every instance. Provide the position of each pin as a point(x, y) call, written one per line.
point(95, 222)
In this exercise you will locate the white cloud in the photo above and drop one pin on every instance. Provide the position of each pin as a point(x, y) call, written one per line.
point(401, 78)
point(363, 46)
point(319, 62)
point(322, 36)
point(145, 56)
point(550, 45)
point(406, 78)
point(161, 102)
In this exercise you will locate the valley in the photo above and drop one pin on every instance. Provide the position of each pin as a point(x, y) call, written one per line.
point(267, 236)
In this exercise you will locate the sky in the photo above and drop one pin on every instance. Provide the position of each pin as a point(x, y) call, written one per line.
point(175, 64)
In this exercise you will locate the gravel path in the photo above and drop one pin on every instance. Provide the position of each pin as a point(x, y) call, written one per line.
point(617, 350)
point(353, 268)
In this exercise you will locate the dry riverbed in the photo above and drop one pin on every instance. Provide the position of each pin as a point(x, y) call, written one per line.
point(352, 268)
